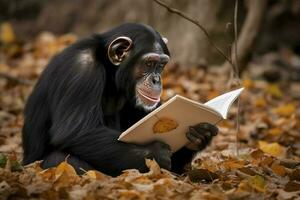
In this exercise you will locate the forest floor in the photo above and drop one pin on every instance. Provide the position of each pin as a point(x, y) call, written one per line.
point(266, 166)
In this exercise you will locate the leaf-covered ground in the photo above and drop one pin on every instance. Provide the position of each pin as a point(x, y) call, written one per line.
point(266, 166)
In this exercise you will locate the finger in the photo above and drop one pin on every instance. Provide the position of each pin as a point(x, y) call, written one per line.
point(208, 136)
point(160, 144)
point(198, 134)
point(203, 127)
point(193, 139)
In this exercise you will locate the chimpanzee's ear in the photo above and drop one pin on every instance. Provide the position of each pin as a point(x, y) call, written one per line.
point(119, 49)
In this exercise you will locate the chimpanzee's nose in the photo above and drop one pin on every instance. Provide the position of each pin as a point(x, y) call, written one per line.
point(156, 79)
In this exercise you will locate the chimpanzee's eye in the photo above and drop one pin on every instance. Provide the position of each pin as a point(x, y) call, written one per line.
point(148, 63)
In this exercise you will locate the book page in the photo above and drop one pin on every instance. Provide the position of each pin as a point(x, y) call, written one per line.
point(181, 110)
point(223, 102)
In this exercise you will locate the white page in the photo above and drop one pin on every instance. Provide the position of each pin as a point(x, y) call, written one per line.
point(223, 102)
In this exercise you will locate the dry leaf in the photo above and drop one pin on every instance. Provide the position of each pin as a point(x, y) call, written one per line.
point(260, 102)
point(7, 34)
point(258, 183)
point(248, 83)
point(292, 186)
point(95, 175)
point(273, 149)
point(275, 131)
point(64, 167)
point(278, 169)
point(274, 90)
point(197, 175)
point(164, 125)
point(286, 110)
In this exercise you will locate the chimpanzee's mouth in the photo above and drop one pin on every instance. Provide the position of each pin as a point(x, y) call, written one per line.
point(148, 99)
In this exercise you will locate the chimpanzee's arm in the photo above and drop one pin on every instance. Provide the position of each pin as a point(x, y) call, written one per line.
point(101, 149)
point(98, 145)
point(181, 159)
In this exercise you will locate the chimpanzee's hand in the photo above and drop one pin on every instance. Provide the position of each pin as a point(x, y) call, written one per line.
point(200, 135)
point(161, 152)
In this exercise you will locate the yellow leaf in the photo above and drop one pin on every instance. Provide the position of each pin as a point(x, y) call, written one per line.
point(164, 125)
point(258, 183)
point(286, 110)
point(274, 90)
point(273, 149)
point(64, 167)
point(248, 83)
point(63, 180)
point(7, 34)
point(260, 102)
point(275, 131)
point(95, 175)
point(48, 174)
point(234, 164)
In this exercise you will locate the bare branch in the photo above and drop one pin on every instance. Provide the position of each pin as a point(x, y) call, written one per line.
point(236, 75)
point(248, 33)
point(236, 66)
point(195, 22)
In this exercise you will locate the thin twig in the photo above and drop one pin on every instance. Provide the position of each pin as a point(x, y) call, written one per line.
point(236, 68)
point(236, 75)
point(15, 79)
point(195, 22)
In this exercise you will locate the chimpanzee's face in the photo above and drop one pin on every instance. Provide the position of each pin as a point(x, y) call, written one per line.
point(139, 76)
point(147, 74)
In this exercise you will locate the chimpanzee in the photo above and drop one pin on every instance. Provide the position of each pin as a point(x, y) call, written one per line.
point(94, 90)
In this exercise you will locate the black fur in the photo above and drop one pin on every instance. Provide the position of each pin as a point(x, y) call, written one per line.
point(80, 111)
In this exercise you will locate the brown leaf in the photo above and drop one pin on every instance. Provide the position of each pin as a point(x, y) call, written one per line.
point(198, 175)
point(295, 175)
point(278, 169)
point(292, 186)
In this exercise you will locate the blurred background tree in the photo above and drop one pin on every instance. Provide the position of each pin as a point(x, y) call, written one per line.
point(279, 26)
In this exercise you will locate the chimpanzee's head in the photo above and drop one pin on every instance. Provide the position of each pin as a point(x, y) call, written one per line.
point(140, 54)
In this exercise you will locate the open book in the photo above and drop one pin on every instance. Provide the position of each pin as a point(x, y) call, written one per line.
point(169, 122)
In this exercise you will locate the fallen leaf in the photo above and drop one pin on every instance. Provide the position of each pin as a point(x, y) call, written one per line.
point(233, 164)
point(292, 186)
point(275, 131)
point(295, 175)
point(273, 149)
point(164, 125)
point(278, 169)
point(260, 102)
point(197, 175)
point(247, 170)
point(64, 167)
point(95, 175)
point(248, 83)
point(286, 110)
point(258, 183)
point(274, 90)
point(7, 34)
